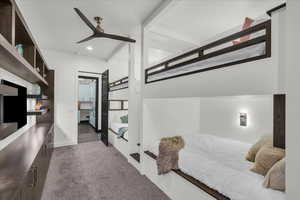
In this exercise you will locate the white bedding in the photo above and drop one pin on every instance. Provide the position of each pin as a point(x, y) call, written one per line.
point(115, 126)
point(220, 164)
point(249, 52)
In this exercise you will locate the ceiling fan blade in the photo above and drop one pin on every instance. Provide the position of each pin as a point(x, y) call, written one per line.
point(85, 19)
point(86, 39)
point(116, 37)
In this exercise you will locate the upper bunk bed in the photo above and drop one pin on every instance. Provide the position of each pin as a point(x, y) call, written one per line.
point(231, 64)
point(119, 84)
point(228, 51)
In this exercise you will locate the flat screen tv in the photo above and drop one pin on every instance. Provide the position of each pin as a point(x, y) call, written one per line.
point(13, 110)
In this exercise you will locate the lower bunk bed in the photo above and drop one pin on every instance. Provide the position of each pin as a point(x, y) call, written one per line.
point(217, 169)
point(118, 137)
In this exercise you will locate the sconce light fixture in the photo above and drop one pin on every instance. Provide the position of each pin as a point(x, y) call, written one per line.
point(243, 119)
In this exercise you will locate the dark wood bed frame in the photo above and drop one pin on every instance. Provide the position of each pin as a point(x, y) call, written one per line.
point(166, 65)
point(121, 81)
point(279, 109)
point(122, 101)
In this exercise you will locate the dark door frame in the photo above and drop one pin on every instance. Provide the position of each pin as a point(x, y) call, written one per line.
point(97, 100)
point(104, 107)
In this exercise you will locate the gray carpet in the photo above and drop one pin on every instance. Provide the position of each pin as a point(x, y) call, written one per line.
point(91, 171)
point(86, 133)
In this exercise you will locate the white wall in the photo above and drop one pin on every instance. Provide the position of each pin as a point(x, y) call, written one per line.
point(66, 68)
point(215, 116)
point(31, 120)
point(220, 117)
point(169, 117)
point(293, 99)
point(118, 64)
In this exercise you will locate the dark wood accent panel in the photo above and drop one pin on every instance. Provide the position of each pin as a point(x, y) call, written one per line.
point(194, 181)
point(24, 162)
point(105, 107)
point(269, 12)
point(199, 55)
point(117, 134)
point(136, 156)
point(279, 112)
point(6, 15)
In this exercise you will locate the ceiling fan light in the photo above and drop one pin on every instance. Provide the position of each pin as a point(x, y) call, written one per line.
point(90, 48)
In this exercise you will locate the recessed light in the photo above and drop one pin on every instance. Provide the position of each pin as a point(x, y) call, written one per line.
point(90, 48)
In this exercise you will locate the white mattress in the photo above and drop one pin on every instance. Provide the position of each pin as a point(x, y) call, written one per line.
point(220, 164)
point(115, 126)
point(249, 52)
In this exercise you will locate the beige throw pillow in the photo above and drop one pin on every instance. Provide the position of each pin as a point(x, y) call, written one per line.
point(275, 178)
point(265, 140)
point(266, 157)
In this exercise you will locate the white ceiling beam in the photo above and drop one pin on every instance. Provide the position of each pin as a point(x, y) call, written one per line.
point(158, 11)
point(148, 22)
point(115, 51)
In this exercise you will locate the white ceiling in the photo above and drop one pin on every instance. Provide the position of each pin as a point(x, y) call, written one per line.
point(196, 21)
point(56, 26)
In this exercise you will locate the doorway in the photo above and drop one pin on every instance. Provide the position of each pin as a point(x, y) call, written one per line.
point(88, 109)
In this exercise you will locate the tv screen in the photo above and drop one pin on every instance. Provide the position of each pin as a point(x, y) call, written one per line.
point(15, 107)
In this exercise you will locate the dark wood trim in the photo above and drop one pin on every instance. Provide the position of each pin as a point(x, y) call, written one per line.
point(200, 56)
point(104, 107)
point(279, 120)
point(119, 82)
point(121, 103)
point(117, 134)
point(211, 68)
point(136, 156)
point(194, 181)
point(269, 12)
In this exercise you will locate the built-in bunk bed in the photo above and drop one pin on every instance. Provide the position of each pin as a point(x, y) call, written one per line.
point(225, 52)
point(119, 127)
point(118, 115)
point(214, 165)
point(119, 84)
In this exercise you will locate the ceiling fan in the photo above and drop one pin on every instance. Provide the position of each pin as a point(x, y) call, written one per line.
point(98, 32)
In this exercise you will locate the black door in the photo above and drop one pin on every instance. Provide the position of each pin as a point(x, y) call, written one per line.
point(104, 115)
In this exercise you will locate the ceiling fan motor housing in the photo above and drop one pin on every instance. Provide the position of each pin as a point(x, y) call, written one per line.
point(98, 20)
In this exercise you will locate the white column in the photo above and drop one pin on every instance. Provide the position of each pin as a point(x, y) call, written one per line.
point(293, 100)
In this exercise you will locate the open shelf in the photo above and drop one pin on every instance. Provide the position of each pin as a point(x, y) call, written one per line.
point(135, 156)
point(39, 65)
point(6, 11)
point(17, 46)
point(37, 112)
point(23, 39)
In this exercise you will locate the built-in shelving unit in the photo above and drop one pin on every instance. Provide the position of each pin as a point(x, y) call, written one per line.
point(24, 162)
point(19, 53)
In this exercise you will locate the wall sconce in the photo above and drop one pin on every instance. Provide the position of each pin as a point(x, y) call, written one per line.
point(243, 119)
